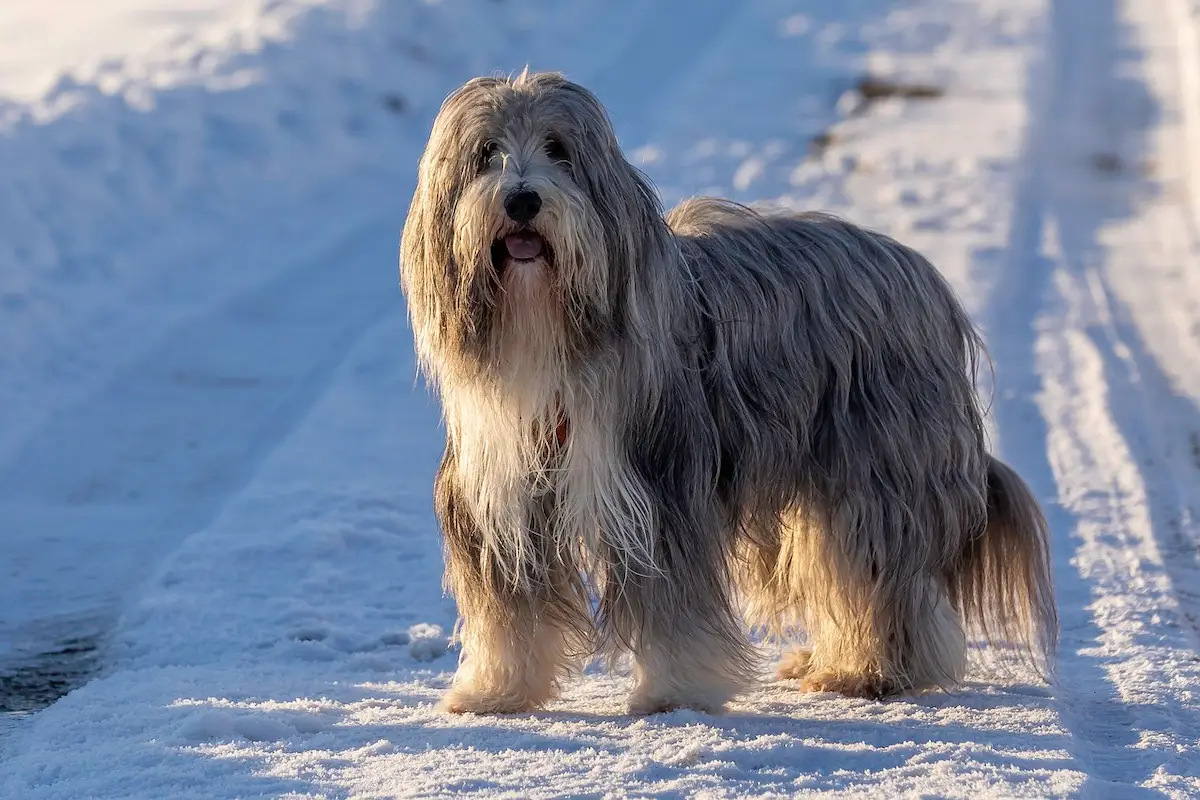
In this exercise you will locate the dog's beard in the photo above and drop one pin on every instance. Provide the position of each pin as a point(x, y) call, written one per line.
point(523, 284)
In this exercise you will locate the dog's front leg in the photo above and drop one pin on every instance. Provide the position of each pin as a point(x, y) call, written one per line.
point(688, 646)
point(519, 637)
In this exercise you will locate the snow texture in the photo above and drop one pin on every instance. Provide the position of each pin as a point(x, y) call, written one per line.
point(216, 465)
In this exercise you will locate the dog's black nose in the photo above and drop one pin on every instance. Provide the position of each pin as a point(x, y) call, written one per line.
point(523, 205)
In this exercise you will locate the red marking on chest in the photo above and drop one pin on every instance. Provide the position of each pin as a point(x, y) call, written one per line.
point(561, 429)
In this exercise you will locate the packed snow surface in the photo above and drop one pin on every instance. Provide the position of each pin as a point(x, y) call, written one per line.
point(216, 462)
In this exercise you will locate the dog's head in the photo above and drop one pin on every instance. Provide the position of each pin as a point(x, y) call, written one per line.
point(525, 208)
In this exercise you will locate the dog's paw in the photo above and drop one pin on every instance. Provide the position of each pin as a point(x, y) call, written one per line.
point(641, 706)
point(867, 687)
point(795, 665)
point(645, 703)
point(462, 700)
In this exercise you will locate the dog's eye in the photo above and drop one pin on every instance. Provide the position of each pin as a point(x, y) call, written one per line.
point(557, 150)
point(487, 153)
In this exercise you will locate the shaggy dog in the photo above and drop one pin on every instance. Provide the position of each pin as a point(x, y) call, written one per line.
point(655, 423)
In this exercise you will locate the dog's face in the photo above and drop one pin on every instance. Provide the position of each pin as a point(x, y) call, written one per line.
point(524, 206)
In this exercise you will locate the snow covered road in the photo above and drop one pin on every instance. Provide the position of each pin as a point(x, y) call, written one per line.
point(214, 459)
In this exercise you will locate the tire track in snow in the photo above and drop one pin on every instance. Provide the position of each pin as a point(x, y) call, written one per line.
point(1122, 644)
point(1180, 538)
point(152, 457)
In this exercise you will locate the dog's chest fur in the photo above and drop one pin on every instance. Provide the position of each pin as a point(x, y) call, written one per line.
point(543, 447)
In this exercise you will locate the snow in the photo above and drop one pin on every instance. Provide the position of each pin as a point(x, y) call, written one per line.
point(214, 455)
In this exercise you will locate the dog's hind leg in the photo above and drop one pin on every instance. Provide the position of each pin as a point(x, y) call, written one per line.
point(519, 638)
point(773, 576)
point(878, 617)
point(795, 664)
point(907, 644)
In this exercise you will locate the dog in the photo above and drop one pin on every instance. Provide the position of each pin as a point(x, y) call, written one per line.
point(660, 428)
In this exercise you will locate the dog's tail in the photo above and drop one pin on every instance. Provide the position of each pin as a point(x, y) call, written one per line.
point(1003, 584)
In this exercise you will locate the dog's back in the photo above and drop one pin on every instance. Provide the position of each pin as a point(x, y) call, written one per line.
point(814, 324)
point(832, 271)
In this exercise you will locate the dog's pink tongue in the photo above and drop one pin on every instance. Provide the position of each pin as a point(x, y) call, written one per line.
point(523, 246)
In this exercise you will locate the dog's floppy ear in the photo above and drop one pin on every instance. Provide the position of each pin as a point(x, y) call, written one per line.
point(609, 178)
point(427, 270)
point(624, 199)
point(429, 273)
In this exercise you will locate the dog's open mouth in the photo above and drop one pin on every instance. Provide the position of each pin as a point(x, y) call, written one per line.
point(520, 246)
point(523, 245)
